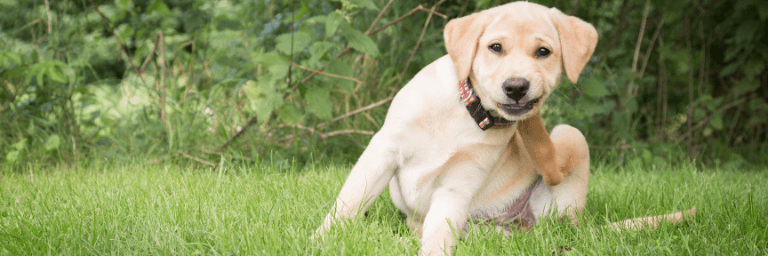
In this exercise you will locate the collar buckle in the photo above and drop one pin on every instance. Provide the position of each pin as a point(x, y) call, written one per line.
point(482, 117)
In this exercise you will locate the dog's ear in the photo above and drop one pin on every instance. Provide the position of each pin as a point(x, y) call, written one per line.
point(461, 36)
point(577, 41)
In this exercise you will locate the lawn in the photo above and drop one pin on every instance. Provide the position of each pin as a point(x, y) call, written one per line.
point(185, 209)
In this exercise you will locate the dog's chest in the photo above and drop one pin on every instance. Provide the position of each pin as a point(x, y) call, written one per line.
point(429, 161)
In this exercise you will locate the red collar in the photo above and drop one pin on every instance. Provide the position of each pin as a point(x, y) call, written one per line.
point(481, 116)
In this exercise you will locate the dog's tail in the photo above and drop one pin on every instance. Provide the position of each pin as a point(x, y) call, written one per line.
point(652, 222)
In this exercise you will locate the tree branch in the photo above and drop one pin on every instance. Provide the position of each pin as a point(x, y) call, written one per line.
point(640, 37)
point(703, 121)
point(149, 56)
point(251, 122)
point(326, 74)
point(381, 14)
point(161, 43)
point(356, 111)
point(349, 48)
point(650, 47)
point(416, 9)
point(421, 37)
point(369, 32)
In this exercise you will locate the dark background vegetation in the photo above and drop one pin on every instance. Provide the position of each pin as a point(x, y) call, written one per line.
point(172, 80)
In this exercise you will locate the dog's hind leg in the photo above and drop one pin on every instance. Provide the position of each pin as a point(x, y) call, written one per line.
point(568, 197)
point(572, 155)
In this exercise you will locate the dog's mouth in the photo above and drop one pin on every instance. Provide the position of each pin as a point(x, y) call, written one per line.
point(517, 110)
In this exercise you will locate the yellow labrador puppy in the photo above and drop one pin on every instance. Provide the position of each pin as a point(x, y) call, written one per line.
point(452, 148)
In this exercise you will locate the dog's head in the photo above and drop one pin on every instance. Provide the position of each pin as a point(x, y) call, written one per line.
point(515, 54)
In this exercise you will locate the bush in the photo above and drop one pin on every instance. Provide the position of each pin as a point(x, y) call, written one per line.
point(182, 79)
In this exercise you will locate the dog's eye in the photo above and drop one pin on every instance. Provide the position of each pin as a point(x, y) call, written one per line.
point(542, 52)
point(496, 48)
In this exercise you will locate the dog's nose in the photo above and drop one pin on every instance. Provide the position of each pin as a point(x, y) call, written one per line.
point(515, 88)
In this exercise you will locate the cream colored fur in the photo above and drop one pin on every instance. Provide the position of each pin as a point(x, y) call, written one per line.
point(441, 168)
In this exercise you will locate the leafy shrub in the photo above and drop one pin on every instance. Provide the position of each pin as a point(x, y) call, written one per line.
point(169, 79)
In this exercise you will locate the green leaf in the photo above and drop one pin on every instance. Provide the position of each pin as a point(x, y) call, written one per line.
point(55, 73)
point(269, 101)
point(8, 58)
point(300, 41)
point(40, 77)
point(276, 63)
point(319, 101)
point(594, 88)
point(730, 68)
point(318, 50)
point(360, 41)
point(716, 122)
point(251, 90)
point(762, 8)
point(339, 67)
point(747, 85)
point(757, 104)
point(754, 68)
point(621, 122)
point(746, 31)
point(125, 3)
point(647, 155)
point(291, 114)
point(20, 145)
point(332, 23)
point(11, 157)
point(591, 107)
point(732, 51)
point(158, 7)
point(368, 4)
point(698, 114)
point(315, 19)
point(263, 97)
point(631, 105)
point(680, 57)
point(52, 142)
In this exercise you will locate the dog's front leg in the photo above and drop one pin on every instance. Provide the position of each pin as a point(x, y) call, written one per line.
point(449, 211)
point(541, 148)
point(365, 182)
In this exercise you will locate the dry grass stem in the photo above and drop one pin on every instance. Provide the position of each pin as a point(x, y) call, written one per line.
point(184, 154)
point(347, 131)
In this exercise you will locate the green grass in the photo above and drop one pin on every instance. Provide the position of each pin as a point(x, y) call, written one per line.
point(272, 210)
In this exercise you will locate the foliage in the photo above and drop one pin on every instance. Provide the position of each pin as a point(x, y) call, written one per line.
point(194, 73)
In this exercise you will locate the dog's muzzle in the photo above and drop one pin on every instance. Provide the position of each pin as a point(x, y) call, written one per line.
point(515, 88)
point(517, 109)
